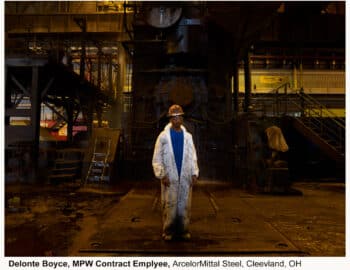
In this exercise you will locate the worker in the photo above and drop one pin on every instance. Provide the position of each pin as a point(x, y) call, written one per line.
point(175, 164)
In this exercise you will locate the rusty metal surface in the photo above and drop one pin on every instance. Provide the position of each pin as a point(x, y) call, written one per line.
point(96, 221)
point(219, 226)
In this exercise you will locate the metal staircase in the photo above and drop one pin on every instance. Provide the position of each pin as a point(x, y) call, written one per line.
point(59, 124)
point(310, 118)
point(67, 166)
point(319, 123)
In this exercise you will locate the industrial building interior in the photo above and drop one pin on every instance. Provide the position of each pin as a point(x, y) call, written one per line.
point(87, 88)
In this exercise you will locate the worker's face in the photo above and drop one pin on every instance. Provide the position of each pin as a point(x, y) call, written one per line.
point(176, 122)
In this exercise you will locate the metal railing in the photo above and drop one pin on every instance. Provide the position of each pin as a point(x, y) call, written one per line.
point(321, 120)
point(268, 103)
point(305, 108)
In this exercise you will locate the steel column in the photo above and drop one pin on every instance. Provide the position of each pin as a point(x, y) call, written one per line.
point(247, 81)
point(35, 117)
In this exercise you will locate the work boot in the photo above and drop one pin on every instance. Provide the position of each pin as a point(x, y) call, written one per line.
point(167, 237)
point(186, 236)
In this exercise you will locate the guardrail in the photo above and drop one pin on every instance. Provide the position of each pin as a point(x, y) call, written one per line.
point(305, 108)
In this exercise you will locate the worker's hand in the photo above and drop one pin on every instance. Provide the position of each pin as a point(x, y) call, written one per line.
point(165, 181)
point(194, 180)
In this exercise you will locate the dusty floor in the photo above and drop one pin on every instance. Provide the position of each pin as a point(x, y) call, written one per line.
point(53, 220)
point(47, 219)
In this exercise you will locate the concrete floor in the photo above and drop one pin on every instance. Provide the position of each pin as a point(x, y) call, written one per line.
point(126, 221)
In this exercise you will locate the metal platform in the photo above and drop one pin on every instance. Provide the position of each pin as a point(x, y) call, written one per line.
point(220, 225)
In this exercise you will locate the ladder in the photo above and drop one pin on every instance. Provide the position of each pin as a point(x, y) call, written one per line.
point(98, 171)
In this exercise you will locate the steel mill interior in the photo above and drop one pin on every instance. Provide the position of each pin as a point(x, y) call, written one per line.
point(87, 88)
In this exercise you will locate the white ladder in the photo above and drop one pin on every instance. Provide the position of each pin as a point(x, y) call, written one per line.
point(98, 171)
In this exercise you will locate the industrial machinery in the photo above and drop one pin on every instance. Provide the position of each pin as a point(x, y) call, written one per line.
point(185, 53)
point(181, 55)
point(222, 62)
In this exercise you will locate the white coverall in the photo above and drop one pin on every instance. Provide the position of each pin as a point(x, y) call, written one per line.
point(175, 199)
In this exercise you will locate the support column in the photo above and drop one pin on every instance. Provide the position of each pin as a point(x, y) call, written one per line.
point(81, 22)
point(35, 117)
point(295, 77)
point(228, 95)
point(99, 66)
point(235, 86)
point(89, 116)
point(70, 121)
point(110, 75)
point(247, 82)
point(82, 60)
point(8, 103)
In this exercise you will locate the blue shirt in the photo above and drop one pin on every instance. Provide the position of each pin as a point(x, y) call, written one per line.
point(177, 140)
